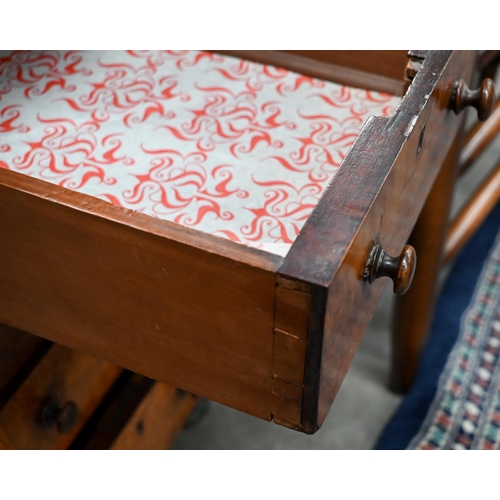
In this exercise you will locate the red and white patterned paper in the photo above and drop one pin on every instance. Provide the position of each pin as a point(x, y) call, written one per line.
point(226, 146)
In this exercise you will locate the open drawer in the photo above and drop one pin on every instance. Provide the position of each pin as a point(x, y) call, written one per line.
point(267, 326)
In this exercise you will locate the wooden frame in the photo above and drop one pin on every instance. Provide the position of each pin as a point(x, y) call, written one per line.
point(382, 71)
point(267, 335)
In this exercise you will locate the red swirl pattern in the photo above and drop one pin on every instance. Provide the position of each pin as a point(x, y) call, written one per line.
point(234, 148)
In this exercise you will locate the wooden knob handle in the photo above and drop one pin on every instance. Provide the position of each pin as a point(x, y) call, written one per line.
point(400, 269)
point(64, 416)
point(483, 99)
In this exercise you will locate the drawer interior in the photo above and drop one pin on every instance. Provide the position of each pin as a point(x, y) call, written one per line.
point(236, 148)
point(267, 335)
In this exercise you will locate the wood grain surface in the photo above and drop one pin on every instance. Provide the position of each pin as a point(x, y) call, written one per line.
point(472, 215)
point(116, 284)
point(157, 420)
point(388, 63)
point(62, 375)
point(478, 139)
point(381, 71)
point(376, 196)
point(272, 337)
point(19, 354)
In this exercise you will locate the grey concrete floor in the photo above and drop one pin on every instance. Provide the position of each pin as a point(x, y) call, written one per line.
point(364, 403)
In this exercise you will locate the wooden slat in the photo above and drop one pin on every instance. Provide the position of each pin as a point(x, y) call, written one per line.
point(472, 215)
point(63, 375)
point(19, 354)
point(478, 139)
point(113, 413)
point(413, 311)
point(157, 420)
point(138, 413)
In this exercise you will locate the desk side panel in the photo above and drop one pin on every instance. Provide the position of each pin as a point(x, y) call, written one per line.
point(198, 320)
point(375, 197)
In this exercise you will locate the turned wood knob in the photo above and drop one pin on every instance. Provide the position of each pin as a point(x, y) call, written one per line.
point(400, 269)
point(483, 99)
point(64, 416)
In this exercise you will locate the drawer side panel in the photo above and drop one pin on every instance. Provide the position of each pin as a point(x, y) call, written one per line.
point(174, 312)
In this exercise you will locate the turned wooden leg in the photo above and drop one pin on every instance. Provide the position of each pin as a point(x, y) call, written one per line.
point(413, 311)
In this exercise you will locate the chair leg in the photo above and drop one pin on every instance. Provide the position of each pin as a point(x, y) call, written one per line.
point(414, 310)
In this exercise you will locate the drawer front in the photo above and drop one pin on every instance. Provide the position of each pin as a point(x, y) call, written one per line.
point(376, 196)
point(57, 398)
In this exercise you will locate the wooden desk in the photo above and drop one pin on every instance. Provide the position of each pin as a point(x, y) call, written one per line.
point(268, 335)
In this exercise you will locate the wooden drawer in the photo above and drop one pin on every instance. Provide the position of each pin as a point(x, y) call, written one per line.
point(267, 335)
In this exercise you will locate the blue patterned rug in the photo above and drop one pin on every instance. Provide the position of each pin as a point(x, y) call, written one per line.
point(455, 400)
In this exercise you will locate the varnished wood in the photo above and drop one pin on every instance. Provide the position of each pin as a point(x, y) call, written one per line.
point(63, 375)
point(358, 207)
point(289, 356)
point(413, 311)
point(84, 204)
point(483, 98)
point(487, 57)
point(138, 413)
point(413, 65)
point(330, 67)
point(472, 215)
point(128, 292)
point(488, 61)
point(62, 415)
point(115, 410)
point(291, 313)
point(388, 63)
point(289, 347)
point(272, 337)
point(157, 420)
point(400, 269)
point(19, 354)
point(478, 139)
